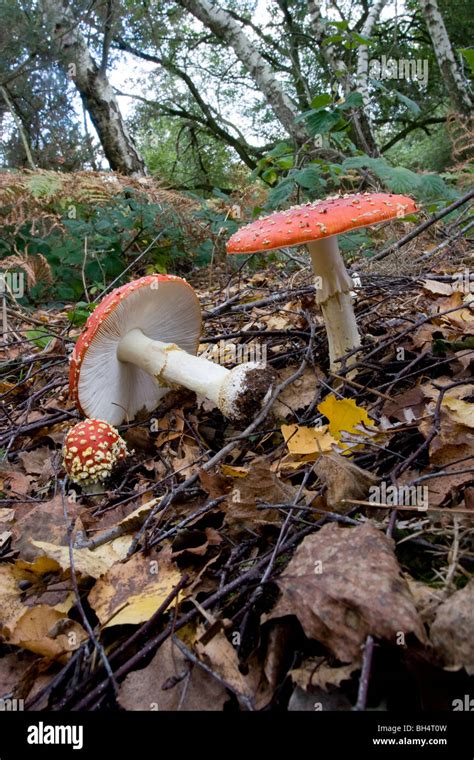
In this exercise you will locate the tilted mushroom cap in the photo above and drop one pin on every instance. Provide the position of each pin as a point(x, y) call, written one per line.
point(91, 450)
point(314, 221)
point(165, 308)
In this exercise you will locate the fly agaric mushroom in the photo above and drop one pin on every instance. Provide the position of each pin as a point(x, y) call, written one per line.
point(140, 342)
point(318, 225)
point(91, 451)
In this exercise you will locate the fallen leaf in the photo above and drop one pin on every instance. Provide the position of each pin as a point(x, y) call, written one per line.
point(260, 485)
point(344, 416)
point(222, 658)
point(307, 441)
point(171, 682)
point(45, 522)
point(88, 562)
point(433, 286)
point(344, 584)
point(47, 632)
point(299, 394)
point(344, 480)
point(12, 606)
point(460, 411)
point(410, 401)
point(130, 592)
point(451, 631)
point(38, 461)
point(316, 672)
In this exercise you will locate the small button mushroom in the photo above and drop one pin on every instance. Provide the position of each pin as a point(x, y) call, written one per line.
point(92, 449)
point(334, 285)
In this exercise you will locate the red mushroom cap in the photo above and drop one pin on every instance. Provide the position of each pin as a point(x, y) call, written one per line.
point(91, 450)
point(165, 308)
point(313, 221)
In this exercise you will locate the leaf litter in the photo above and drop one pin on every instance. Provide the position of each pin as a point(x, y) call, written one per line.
point(252, 583)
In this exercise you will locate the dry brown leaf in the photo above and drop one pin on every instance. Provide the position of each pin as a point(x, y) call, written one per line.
point(299, 394)
point(260, 485)
point(345, 583)
point(14, 481)
point(171, 682)
point(45, 522)
point(88, 562)
point(12, 606)
point(132, 591)
point(316, 672)
point(441, 489)
point(427, 599)
point(451, 631)
point(37, 462)
point(411, 400)
point(344, 480)
point(222, 658)
point(47, 632)
point(439, 288)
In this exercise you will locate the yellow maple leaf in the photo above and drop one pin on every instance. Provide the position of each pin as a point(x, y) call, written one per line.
point(344, 415)
point(309, 442)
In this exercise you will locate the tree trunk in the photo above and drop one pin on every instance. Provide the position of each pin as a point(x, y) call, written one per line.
point(229, 31)
point(362, 76)
point(362, 132)
point(94, 88)
point(456, 86)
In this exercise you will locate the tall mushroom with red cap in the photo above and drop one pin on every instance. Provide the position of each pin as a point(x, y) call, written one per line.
point(140, 342)
point(318, 225)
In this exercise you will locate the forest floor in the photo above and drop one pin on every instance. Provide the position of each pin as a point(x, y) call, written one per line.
point(264, 568)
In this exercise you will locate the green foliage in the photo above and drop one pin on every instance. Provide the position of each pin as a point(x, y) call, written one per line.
point(468, 54)
point(95, 247)
point(398, 179)
point(39, 337)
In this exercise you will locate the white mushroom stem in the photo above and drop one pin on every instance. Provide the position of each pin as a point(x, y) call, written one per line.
point(333, 294)
point(233, 391)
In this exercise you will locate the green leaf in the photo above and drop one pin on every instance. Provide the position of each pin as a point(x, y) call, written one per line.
point(270, 176)
point(285, 162)
point(43, 185)
point(39, 337)
point(408, 102)
point(80, 313)
point(360, 39)
point(280, 149)
point(309, 178)
point(320, 122)
point(332, 38)
point(321, 101)
point(280, 193)
point(468, 55)
point(353, 100)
